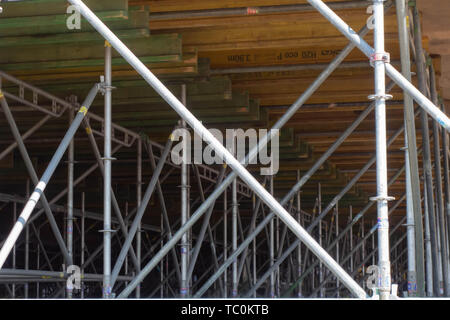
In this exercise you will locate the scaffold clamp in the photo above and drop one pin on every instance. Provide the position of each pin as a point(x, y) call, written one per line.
point(380, 56)
point(382, 198)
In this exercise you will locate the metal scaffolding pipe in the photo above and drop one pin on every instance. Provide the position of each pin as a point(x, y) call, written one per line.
point(219, 149)
point(290, 112)
point(355, 219)
point(27, 134)
point(234, 214)
point(439, 192)
point(445, 167)
point(350, 34)
point(32, 173)
point(115, 204)
point(140, 212)
point(205, 226)
point(428, 181)
point(299, 247)
point(184, 248)
point(107, 163)
point(83, 240)
point(165, 215)
point(382, 197)
point(416, 267)
point(225, 241)
point(40, 187)
point(318, 164)
point(70, 168)
point(428, 260)
point(138, 203)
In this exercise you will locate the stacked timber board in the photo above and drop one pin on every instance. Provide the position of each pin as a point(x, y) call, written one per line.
point(191, 51)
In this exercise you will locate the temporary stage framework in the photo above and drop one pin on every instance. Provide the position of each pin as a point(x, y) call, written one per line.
point(322, 260)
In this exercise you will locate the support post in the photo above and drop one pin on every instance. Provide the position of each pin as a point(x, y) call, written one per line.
point(271, 247)
point(14, 251)
point(439, 192)
point(351, 237)
point(428, 181)
point(107, 160)
point(382, 198)
point(138, 204)
point(319, 209)
point(299, 248)
point(429, 262)
point(83, 245)
point(225, 241)
point(445, 167)
point(184, 290)
point(416, 267)
point(70, 168)
point(234, 222)
point(337, 244)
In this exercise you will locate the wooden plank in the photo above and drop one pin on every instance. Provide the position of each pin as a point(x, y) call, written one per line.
point(180, 5)
point(31, 8)
point(45, 25)
point(286, 91)
point(261, 20)
point(161, 47)
point(188, 67)
point(268, 32)
point(82, 38)
point(138, 92)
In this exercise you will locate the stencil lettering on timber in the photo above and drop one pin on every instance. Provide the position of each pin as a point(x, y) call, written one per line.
point(271, 57)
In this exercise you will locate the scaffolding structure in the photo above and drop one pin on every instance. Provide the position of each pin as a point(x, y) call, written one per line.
point(280, 250)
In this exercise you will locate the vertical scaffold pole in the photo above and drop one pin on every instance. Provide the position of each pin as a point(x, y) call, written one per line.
point(27, 245)
point(184, 290)
point(428, 264)
point(254, 247)
point(234, 226)
point(82, 241)
point(299, 248)
point(416, 267)
point(351, 238)
point(107, 290)
point(439, 190)
point(319, 208)
point(428, 181)
point(271, 247)
point(70, 168)
point(14, 252)
point(379, 58)
point(138, 204)
point(225, 242)
point(445, 167)
point(337, 245)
